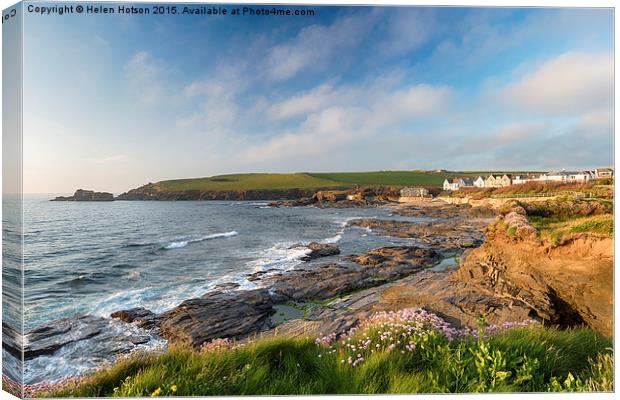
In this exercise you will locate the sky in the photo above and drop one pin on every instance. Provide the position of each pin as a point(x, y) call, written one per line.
point(112, 102)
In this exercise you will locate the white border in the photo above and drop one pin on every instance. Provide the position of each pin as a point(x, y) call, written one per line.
point(483, 3)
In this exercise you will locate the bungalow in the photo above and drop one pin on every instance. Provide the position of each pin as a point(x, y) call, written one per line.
point(451, 185)
point(578, 176)
point(497, 181)
point(479, 182)
point(555, 176)
point(524, 178)
point(567, 176)
point(600, 173)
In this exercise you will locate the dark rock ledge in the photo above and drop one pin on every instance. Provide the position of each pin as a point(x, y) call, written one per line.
point(243, 313)
point(86, 195)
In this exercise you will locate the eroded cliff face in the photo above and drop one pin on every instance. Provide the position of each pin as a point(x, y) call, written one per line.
point(568, 285)
point(511, 278)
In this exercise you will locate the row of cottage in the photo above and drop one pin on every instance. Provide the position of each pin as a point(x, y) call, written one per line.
point(495, 180)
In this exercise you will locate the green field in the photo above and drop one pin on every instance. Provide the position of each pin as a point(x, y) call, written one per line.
point(251, 182)
point(333, 180)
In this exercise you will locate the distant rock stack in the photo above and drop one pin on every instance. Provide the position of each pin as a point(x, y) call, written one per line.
point(86, 195)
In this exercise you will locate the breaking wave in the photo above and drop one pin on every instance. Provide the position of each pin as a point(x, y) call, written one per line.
point(183, 243)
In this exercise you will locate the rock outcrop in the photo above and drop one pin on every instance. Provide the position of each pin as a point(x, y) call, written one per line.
point(569, 285)
point(329, 196)
point(512, 278)
point(316, 283)
point(230, 314)
point(217, 315)
point(86, 195)
point(330, 280)
point(318, 250)
point(448, 235)
point(138, 316)
point(12, 340)
point(353, 198)
point(394, 256)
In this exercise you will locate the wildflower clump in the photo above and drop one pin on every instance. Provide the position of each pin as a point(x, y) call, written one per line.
point(519, 226)
point(495, 329)
point(402, 331)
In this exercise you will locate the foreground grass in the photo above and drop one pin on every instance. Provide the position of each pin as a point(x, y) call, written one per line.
point(381, 357)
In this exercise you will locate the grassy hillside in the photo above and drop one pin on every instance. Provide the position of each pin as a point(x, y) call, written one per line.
point(400, 352)
point(251, 181)
point(336, 180)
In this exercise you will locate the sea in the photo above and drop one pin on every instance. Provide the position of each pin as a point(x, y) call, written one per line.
point(94, 258)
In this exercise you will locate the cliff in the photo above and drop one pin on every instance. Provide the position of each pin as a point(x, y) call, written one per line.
point(153, 191)
point(568, 285)
point(515, 274)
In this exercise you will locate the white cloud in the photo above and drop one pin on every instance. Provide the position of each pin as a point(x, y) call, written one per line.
point(216, 96)
point(318, 136)
point(144, 75)
point(568, 84)
point(315, 46)
point(419, 100)
point(517, 132)
point(302, 104)
point(408, 29)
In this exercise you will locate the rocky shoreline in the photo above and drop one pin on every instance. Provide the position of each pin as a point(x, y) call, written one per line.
point(331, 297)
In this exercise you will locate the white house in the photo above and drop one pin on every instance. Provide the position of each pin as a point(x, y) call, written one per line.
point(498, 180)
point(479, 182)
point(578, 176)
point(451, 185)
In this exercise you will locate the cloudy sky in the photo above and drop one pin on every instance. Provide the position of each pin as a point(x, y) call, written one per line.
point(113, 102)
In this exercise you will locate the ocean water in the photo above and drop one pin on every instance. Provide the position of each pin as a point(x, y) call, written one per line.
point(97, 258)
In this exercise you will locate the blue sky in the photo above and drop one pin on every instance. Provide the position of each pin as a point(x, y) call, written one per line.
point(115, 101)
